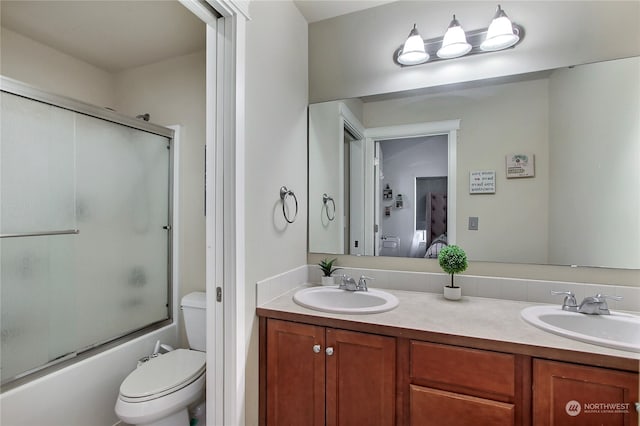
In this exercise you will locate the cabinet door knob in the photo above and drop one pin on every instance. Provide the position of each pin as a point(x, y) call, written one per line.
point(329, 351)
point(316, 349)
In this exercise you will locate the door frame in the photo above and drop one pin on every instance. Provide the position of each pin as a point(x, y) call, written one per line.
point(446, 127)
point(224, 206)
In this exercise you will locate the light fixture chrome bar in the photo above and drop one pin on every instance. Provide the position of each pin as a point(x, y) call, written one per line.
point(474, 38)
point(41, 233)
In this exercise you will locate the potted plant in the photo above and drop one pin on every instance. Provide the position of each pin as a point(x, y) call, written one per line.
point(452, 260)
point(326, 266)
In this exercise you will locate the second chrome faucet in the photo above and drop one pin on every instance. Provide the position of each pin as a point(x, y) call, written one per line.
point(350, 284)
point(591, 305)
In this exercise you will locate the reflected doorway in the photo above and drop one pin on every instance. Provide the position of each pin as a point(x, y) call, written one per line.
point(410, 171)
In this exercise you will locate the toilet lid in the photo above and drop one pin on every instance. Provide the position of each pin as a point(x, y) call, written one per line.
point(163, 373)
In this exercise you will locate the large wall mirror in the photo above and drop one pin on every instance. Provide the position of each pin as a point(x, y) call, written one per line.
point(537, 169)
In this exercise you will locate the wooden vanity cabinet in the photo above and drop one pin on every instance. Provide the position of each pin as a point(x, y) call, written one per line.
point(320, 375)
point(571, 394)
point(317, 376)
point(462, 386)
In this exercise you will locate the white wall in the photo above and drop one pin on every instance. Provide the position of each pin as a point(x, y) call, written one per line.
point(597, 156)
point(351, 55)
point(276, 154)
point(173, 93)
point(522, 109)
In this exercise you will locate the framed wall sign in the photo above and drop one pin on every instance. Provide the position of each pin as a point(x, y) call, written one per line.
point(482, 182)
point(520, 165)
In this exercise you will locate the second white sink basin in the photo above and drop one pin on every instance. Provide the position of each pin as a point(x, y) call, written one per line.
point(334, 300)
point(618, 330)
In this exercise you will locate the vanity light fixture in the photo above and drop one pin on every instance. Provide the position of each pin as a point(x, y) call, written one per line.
point(501, 34)
point(413, 52)
point(454, 43)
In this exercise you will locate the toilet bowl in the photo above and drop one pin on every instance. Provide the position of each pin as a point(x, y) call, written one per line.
point(159, 392)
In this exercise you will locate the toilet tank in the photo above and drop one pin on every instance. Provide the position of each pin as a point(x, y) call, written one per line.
point(195, 319)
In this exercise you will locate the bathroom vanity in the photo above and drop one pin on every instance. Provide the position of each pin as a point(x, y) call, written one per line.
point(435, 362)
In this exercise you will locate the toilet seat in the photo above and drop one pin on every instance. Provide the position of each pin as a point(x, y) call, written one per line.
point(168, 410)
point(163, 375)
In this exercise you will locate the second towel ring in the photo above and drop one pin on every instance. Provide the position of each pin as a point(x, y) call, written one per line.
point(325, 201)
point(284, 193)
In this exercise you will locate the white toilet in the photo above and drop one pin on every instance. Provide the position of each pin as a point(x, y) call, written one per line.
point(160, 391)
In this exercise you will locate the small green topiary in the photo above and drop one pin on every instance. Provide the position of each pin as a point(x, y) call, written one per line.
point(452, 260)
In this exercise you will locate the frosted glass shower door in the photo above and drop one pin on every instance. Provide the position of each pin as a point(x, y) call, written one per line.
point(85, 224)
point(37, 195)
point(122, 209)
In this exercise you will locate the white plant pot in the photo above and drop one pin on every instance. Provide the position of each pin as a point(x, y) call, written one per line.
point(328, 281)
point(452, 293)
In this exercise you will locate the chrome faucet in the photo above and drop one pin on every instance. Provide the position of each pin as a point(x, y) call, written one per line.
point(590, 305)
point(350, 284)
point(596, 305)
point(362, 283)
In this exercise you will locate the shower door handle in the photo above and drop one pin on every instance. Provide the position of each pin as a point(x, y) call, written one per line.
point(41, 233)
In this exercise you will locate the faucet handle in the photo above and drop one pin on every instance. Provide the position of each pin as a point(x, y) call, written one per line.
point(604, 297)
point(347, 283)
point(570, 303)
point(362, 283)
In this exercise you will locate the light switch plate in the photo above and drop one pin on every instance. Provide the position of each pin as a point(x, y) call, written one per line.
point(473, 223)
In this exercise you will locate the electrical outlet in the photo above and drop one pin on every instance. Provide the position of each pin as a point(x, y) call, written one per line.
point(473, 223)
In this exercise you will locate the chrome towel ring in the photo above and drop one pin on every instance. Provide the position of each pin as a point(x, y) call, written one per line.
point(284, 193)
point(325, 201)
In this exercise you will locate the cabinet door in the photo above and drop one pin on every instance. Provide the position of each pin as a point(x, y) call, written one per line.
point(361, 379)
point(568, 394)
point(433, 407)
point(295, 374)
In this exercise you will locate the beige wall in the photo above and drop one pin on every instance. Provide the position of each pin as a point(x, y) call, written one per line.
point(276, 155)
point(325, 177)
point(34, 63)
point(598, 156)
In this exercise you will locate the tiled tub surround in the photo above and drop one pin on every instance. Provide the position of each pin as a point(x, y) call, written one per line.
point(522, 290)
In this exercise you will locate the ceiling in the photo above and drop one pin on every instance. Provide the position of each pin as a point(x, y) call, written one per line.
point(111, 35)
point(317, 10)
point(118, 35)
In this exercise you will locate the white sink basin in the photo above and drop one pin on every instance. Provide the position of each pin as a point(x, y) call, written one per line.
point(618, 330)
point(334, 300)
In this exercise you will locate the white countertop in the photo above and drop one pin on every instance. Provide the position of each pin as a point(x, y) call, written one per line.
point(473, 317)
